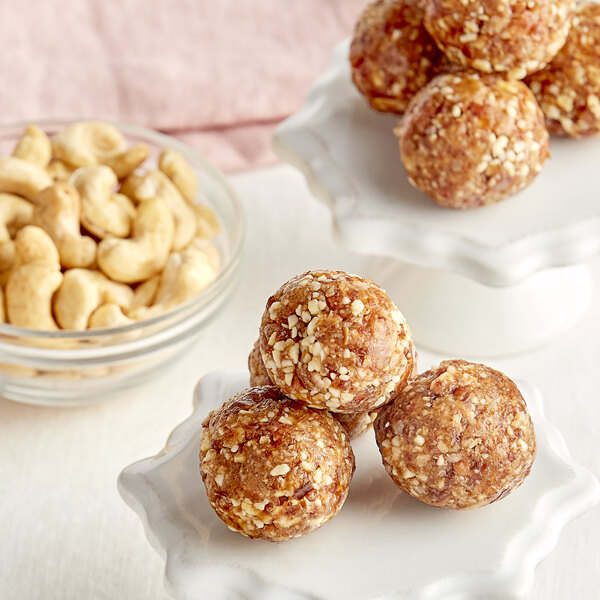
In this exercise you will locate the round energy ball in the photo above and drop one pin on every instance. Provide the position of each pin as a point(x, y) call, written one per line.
point(391, 55)
point(274, 469)
point(256, 366)
point(459, 436)
point(568, 89)
point(335, 341)
point(468, 139)
point(515, 37)
point(355, 424)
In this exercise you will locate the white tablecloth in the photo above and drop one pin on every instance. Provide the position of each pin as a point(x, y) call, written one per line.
point(66, 534)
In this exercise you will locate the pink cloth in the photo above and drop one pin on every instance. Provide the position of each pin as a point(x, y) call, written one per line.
point(220, 74)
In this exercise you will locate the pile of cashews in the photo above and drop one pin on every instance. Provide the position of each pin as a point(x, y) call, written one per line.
point(89, 239)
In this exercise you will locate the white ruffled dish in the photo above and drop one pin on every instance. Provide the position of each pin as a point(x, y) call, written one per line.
point(383, 545)
point(351, 160)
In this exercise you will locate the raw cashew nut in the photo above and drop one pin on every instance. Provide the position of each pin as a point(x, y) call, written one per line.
point(34, 245)
point(146, 253)
point(57, 211)
point(145, 293)
point(130, 185)
point(82, 292)
point(15, 213)
point(108, 315)
point(207, 225)
point(155, 184)
point(59, 171)
point(178, 170)
point(186, 274)
point(33, 280)
point(127, 162)
point(203, 245)
point(34, 147)
point(88, 143)
point(102, 213)
point(18, 176)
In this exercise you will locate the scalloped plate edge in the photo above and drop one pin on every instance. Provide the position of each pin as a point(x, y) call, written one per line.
point(515, 576)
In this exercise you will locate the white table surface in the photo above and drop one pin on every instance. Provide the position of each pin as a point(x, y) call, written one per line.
point(66, 534)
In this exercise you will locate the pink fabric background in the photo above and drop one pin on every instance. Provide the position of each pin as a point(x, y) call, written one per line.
point(220, 74)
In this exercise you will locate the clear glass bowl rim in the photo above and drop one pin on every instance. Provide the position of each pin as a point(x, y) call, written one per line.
point(164, 140)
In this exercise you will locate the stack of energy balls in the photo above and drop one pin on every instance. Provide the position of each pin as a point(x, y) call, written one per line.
point(479, 83)
point(335, 354)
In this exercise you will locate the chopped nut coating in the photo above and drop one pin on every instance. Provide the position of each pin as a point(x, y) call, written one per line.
point(392, 55)
point(468, 140)
point(515, 37)
point(458, 436)
point(335, 341)
point(274, 469)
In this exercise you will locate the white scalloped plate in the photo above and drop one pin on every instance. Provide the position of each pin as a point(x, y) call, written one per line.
point(382, 546)
point(351, 160)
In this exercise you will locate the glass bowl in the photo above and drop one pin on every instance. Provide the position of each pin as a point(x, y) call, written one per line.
point(61, 368)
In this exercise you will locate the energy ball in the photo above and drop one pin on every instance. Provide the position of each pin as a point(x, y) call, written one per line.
point(515, 37)
point(355, 424)
point(568, 89)
point(459, 436)
point(256, 366)
point(274, 469)
point(468, 139)
point(391, 55)
point(335, 341)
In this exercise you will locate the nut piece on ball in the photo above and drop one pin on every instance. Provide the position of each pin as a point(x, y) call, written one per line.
point(515, 37)
point(392, 56)
point(568, 89)
point(355, 424)
point(274, 469)
point(468, 140)
point(335, 341)
point(459, 436)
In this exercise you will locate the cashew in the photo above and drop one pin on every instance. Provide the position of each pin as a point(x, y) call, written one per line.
point(204, 245)
point(34, 147)
point(15, 213)
point(102, 213)
point(34, 245)
point(59, 171)
point(7, 259)
point(17, 176)
point(57, 211)
point(178, 170)
point(145, 292)
point(88, 143)
point(129, 185)
point(146, 253)
point(82, 292)
point(207, 225)
point(33, 280)
point(155, 184)
point(127, 162)
point(2, 311)
point(108, 315)
point(186, 274)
